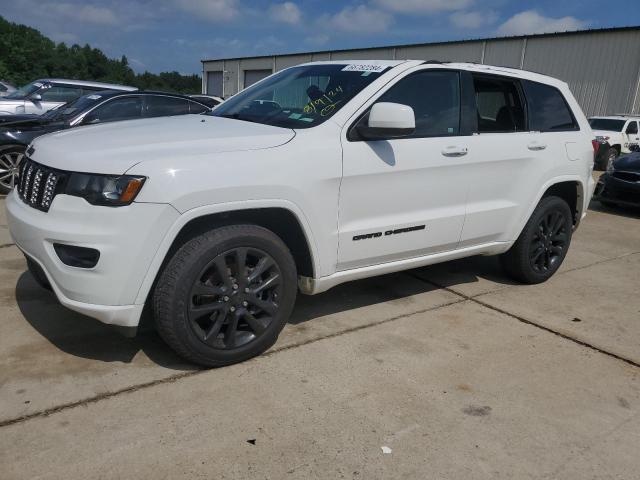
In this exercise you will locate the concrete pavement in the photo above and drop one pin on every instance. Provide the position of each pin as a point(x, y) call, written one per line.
point(459, 372)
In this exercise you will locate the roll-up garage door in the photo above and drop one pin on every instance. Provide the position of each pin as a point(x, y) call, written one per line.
point(214, 83)
point(252, 76)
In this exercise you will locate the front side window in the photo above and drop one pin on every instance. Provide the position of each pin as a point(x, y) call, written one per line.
point(125, 108)
point(300, 97)
point(161, 106)
point(499, 105)
point(548, 111)
point(60, 94)
point(434, 97)
point(632, 128)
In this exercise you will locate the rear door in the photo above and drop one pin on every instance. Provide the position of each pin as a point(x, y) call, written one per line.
point(523, 133)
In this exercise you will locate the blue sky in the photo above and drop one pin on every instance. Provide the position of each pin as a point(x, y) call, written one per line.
point(162, 35)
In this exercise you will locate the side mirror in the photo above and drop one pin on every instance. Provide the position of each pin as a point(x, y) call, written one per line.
point(36, 97)
point(388, 120)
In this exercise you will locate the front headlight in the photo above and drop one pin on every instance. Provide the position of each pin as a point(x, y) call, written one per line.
point(108, 190)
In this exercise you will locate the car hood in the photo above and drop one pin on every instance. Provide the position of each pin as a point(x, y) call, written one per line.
point(116, 147)
point(8, 106)
point(628, 163)
point(604, 133)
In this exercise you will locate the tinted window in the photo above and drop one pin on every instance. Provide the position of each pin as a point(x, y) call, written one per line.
point(125, 108)
point(435, 99)
point(608, 124)
point(197, 108)
point(160, 106)
point(60, 94)
point(632, 128)
point(547, 109)
point(499, 105)
point(3, 88)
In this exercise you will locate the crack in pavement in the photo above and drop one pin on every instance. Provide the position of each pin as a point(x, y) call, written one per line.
point(582, 343)
point(5, 245)
point(173, 378)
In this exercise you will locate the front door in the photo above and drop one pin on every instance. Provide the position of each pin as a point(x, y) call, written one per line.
point(405, 197)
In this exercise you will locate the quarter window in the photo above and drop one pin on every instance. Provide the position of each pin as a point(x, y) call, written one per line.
point(548, 111)
point(499, 107)
point(197, 108)
point(435, 99)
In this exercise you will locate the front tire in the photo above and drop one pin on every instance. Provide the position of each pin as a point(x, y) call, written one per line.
point(543, 244)
point(10, 159)
point(226, 295)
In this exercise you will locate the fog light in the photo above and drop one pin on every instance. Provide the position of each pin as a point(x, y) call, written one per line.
point(80, 257)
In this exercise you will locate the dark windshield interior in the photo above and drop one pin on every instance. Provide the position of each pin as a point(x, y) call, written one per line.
point(609, 124)
point(300, 97)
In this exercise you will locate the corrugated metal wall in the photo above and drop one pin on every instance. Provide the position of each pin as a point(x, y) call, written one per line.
point(601, 67)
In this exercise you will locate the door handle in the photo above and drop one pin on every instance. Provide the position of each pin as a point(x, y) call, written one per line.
point(535, 146)
point(454, 151)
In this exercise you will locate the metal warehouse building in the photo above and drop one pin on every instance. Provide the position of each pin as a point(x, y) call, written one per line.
point(602, 67)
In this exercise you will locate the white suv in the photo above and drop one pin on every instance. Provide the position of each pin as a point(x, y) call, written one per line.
point(616, 134)
point(317, 175)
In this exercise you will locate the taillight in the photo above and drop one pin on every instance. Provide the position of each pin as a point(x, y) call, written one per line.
point(596, 147)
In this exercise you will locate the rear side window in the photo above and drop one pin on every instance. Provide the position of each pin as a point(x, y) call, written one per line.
point(548, 111)
point(197, 108)
point(499, 105)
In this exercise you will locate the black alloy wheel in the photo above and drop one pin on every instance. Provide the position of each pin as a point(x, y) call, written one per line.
point(235, 297)
point(549, 241)
point(225, 295)
point(543, 243)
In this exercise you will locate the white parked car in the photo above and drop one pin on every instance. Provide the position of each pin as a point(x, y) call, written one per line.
point(46, 94)
point(317, 175)
point(616, 134)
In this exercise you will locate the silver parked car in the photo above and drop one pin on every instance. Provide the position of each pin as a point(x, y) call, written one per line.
point(6, 88)
point(49, 93)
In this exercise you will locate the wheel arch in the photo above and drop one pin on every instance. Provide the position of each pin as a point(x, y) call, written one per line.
point(284, 220)
point(570, 188)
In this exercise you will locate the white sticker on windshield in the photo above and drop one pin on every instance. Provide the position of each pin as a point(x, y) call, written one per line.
point(93, 97)
point(363, 67)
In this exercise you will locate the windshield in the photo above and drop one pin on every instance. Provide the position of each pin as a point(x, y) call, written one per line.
point(25, 91)
point(300, 97)
point(608, 124)
point(70, 109)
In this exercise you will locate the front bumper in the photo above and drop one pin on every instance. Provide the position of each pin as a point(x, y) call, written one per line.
point(615, 190)
point(127, 238)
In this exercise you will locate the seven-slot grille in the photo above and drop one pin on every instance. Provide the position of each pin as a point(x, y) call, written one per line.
point(37, 185)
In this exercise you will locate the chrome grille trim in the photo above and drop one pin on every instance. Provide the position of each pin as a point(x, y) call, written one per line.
point(38, 185)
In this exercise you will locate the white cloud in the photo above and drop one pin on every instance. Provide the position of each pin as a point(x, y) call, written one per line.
point(422, 6)
point(473, 20)
point(287, 12)
point(360, 19)
point(530, 21)
point(215, 11)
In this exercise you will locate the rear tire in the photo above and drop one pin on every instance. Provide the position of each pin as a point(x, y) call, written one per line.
point(225, 295)
point(543, 244)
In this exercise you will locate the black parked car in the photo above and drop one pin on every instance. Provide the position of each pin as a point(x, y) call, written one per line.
point(620, 185)
point(17, 131)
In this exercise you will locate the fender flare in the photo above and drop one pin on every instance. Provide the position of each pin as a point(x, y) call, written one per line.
point(581, 201)
point(196, 212)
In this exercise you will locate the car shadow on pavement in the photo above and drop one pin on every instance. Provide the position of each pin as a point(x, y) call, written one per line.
point(85, 337)
point(629, 212)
